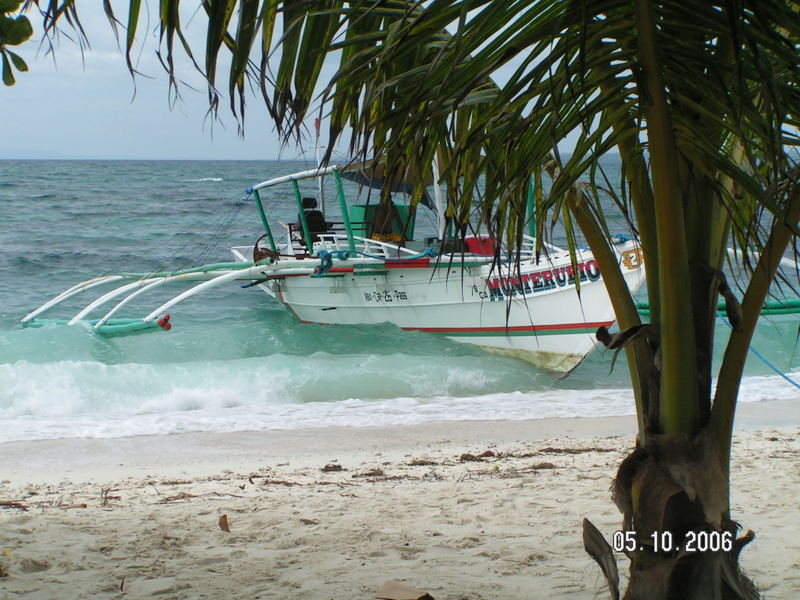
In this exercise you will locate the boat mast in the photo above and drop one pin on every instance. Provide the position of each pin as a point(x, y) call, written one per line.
point(437, 195)
point(351, 243)
point(320, 180)
point(530, 209)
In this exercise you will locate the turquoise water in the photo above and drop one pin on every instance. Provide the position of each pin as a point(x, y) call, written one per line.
point(235, 359)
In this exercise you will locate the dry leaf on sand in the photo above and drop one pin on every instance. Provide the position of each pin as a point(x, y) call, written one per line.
point(223, 523)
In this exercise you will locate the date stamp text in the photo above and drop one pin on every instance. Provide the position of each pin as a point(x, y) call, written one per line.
point(665, 541)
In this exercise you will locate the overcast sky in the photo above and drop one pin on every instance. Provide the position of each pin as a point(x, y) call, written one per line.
point(87, 109)
point(83, 106)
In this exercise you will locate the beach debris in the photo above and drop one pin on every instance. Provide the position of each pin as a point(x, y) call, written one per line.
point(467, 457)
point(590, 477)
point(13, 504)
point(339, 484)
point(582, 450)
point(370, 473)
point(3, 572)
point(106, 497)
point(331, 467)
point(31, 565)
point(176, 498)
point(393, 590)
point(309, 522)
point(541, 466)
point(223, 523)
point(520, 455)
point(279, 482)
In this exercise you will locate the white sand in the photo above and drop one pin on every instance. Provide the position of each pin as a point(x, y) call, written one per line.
point(138, 517)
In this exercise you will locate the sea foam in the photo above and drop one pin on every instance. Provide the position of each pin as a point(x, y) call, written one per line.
point(86, 399)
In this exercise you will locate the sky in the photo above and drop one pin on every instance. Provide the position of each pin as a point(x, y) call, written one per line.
point(91, 108)
point(86, 105)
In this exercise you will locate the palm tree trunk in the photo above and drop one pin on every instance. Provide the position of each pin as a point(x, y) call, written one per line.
point(678, 401)
point(671, 491)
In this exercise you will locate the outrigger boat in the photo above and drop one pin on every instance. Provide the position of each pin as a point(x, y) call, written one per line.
point(369, 269)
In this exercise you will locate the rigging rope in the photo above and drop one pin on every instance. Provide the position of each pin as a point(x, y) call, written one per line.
point(765, 360)
point(326, 258)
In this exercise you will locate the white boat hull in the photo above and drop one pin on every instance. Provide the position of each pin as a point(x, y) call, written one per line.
point(536, 315)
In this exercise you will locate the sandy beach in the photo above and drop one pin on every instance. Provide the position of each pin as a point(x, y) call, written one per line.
point(467, 510)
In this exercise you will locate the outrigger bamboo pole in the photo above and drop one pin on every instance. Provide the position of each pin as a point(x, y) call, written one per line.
point(75, 289)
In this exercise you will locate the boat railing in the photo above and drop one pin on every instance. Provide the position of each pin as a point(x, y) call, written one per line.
point(528, 247)
point(336, 239)
point(369, 246)
point(529, 244)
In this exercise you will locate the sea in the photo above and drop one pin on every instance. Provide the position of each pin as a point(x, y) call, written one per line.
point(235, 359)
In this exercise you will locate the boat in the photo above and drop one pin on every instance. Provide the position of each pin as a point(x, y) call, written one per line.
point(368, 267)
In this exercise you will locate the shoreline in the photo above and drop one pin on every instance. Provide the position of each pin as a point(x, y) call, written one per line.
point(35, 461)
point(464, 510)
point(84, 459)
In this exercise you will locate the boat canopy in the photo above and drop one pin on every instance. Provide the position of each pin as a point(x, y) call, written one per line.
point(369, 174)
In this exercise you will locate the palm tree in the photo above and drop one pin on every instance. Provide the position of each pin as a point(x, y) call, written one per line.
point(13, 32)
point(700, 99)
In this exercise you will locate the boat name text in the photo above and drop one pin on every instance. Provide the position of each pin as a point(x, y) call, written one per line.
point(530, 283)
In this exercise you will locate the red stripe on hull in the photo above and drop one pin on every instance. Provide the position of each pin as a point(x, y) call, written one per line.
point(487, 330)
point(503, 329)
point(415, 263)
